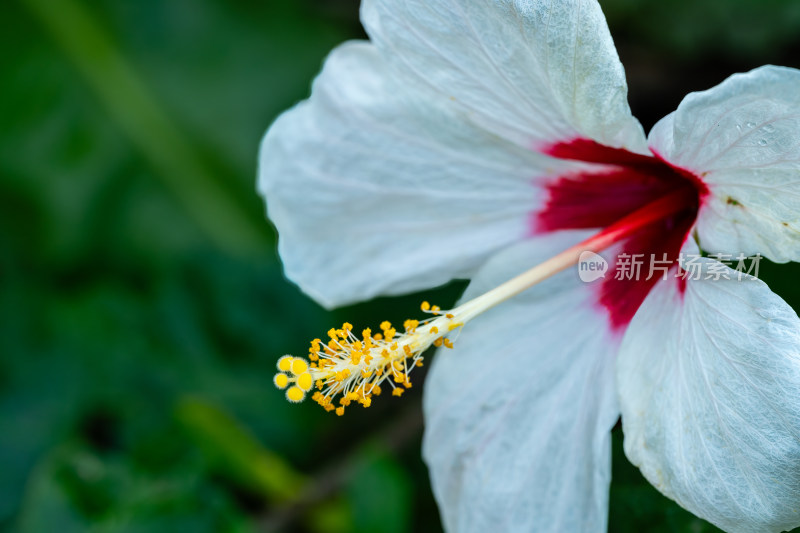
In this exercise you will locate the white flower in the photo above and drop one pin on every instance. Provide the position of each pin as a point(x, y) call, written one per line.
point(479, 138)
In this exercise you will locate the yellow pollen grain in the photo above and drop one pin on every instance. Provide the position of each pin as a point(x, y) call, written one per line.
point(305, 381)
point(299, 366)
point(295, 394)
point(281, 380)
point(285, 363)
point(425, 306)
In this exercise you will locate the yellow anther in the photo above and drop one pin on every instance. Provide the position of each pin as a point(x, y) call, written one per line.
point(435, 309)
point(347, 369)
point(299, 366)
point(449, 315)
point(281, 380)
point(454, 325)
point(340, 411)
point(285, 363)
point(425, 306)
point(305, 381)
point(295, 394)
point(448, 343)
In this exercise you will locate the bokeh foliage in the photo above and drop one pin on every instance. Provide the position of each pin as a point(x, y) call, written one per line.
point(142, 305)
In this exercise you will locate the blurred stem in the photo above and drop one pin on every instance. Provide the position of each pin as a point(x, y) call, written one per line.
point(228, 445)
point(132, 105)
point(293, 497)
point(403, 430)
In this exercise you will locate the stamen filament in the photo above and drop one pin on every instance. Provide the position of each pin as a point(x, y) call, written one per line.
point(354, 369)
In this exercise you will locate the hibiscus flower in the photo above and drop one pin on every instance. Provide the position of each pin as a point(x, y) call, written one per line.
point(479, 139)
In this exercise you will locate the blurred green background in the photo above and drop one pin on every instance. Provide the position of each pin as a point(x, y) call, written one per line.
point(142, 305)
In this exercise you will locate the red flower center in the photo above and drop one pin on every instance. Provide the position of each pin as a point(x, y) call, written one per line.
point(597, 199)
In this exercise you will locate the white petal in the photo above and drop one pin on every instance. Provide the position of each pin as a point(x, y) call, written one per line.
point(709, 387)
point(375, 192)
point(533, 71)
point(743, 138)
point(518, 414)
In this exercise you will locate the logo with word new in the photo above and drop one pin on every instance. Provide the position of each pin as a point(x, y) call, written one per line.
point(591, 267)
